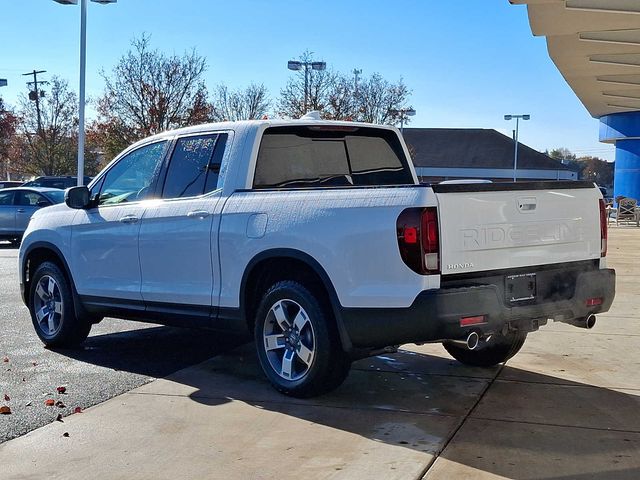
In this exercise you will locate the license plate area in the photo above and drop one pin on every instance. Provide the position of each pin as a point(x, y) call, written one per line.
point(520, 288)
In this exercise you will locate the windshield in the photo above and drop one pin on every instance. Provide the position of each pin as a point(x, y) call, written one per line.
point(55, 196)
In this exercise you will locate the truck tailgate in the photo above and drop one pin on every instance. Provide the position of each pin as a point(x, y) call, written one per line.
point(503, 226)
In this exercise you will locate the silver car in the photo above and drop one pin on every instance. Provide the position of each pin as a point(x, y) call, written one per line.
point(18, 204)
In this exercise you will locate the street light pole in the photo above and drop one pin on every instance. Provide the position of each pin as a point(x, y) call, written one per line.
point(297, 65)
point(515, 149)
point(403, 113)
point(83, 69)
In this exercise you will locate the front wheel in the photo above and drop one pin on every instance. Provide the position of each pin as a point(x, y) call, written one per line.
point(52, 311)
point(297, 342)
point(499, 348)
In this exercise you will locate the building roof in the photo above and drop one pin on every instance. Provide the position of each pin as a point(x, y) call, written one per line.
point(472, 148)
point(596, 46)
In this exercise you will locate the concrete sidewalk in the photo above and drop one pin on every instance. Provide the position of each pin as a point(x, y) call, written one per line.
point(567, 406)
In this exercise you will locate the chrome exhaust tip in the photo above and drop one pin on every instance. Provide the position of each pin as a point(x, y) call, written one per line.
point(590, 321)
point(471, 342)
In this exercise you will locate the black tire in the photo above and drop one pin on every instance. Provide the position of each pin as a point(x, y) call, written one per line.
point(52, 310)
point(498, 349)
point(326, 365)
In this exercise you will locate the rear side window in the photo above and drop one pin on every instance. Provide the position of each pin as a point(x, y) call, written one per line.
point(194, 166)
point(330, 156)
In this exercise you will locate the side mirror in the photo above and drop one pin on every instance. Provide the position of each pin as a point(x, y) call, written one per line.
point(77, 197)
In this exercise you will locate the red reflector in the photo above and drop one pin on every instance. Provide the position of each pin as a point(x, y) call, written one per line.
point(466, 321)
point(604, 234)
point(410, 235)
point(592, 302)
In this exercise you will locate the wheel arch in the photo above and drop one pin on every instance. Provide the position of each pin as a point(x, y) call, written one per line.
point(255, 279)
point(37, 253)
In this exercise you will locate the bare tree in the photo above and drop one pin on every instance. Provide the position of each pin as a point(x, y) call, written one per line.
point(291, 103)
point(148, 92)
point(8, 125)
point(377, 97)
point(251, 103)
point(335, 96)
point(50, 149)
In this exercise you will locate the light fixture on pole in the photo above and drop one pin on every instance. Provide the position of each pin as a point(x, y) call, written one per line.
point(83, 68)
point(403, 114)
point(515, 154)
point(297, 65)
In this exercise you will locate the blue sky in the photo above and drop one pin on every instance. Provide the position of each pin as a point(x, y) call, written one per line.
point(468, 62)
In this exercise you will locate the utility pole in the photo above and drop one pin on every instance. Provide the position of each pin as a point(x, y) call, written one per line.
point(356, 74)
point(35, 94)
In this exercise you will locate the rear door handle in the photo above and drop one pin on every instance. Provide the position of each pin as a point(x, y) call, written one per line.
point(129, 219)
point(20, 210)
point(198, 214)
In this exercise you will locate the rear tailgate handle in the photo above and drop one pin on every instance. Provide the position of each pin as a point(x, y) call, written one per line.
point(198, 214)
point(527, 204)
point(129, 219)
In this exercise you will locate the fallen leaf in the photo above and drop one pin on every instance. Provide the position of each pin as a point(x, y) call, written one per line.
point(59, 404)
point(61, 389)
point(5, 359)
point(77, 410)
point(28, 404)
point(50, 402)
point(59, 418)
point(65, 434)
point(4, 410)
point(6, 397)
point(34, 363)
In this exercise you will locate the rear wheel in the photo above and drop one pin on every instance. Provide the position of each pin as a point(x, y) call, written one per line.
point(297, 343)
point(52, 310)
point(499, 348)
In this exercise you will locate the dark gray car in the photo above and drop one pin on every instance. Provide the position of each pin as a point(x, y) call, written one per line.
point(18, 204)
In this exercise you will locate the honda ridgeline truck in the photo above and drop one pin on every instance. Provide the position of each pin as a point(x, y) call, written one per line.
point(316, 237)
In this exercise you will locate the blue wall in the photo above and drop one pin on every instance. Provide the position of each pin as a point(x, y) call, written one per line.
point(623, 129)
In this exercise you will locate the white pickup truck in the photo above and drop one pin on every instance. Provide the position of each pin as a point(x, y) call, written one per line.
point(317, 237)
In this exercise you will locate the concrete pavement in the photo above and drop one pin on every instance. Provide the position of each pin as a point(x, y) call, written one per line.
point(567, 406)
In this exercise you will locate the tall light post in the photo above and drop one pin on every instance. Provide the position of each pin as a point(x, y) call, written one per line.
point(4, 83)
point(297, 65)
point(515, 154)
point(83, 69)
point(404, 114)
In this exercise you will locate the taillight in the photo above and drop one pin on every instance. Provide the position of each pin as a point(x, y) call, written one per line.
point(418, 240)
point(604, 234)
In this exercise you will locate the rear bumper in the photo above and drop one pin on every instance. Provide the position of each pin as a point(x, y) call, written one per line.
point(435, 314)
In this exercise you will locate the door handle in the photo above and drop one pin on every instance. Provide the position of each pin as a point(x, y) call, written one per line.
point(198, 214)
point(129, 219)
point(20, 210)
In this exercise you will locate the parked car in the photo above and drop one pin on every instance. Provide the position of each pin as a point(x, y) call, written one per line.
point(317, 237)
point(56, 182)
point(17, 205)
point(9, 184)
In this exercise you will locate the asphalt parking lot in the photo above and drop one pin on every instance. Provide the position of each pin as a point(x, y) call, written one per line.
point(566, 407)
point(117, 357)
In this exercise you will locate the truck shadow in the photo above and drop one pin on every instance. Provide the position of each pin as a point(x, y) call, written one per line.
point(522, 425)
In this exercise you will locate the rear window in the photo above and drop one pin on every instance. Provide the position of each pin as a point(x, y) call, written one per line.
point(296, 157)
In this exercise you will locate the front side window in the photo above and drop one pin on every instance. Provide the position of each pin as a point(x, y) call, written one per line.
point(6, 198)
point(130, 179)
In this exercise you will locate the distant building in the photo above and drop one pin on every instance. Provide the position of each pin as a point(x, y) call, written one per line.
point(455, 153)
